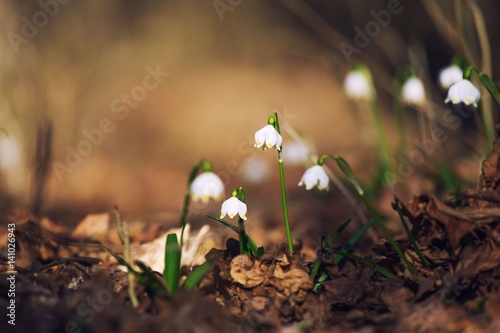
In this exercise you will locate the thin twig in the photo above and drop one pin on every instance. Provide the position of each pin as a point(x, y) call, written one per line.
point(122, 229)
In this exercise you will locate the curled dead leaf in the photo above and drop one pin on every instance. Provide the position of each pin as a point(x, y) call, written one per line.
point(246, 272)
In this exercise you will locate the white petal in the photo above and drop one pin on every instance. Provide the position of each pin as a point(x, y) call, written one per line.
point(268, 137)
point(449, 75)
point(233, 207)
point(260, 137)
point(356, 85)
point(207, 185)
point(242, 210)
point(463, 92)
point(315, 176)
point(413, 92)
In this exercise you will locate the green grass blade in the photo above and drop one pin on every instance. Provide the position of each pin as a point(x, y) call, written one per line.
point(354, 239)
point(319, 281)
point(256, 251)
point(197, 275)
point(150, 279)
point(328, 244)
point(490, 86)
point(447, 177)
point(366, 262)
point(346, 169)
point(413, 242)
point(227, 224)
point(171, 272)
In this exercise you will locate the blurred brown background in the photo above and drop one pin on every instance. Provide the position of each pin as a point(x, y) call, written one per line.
point(230, 64)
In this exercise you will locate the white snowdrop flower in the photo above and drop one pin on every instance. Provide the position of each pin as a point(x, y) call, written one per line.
point(268, 137)
point(463, 92)
point(256, 169)
point(315, 176)
point(413, 92)
point(357, 85)
point(10, 152)
point(450, 75)
point(232, 207)
point(205, 186)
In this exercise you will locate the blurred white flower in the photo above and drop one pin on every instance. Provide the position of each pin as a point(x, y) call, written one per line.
point(357, 85)
point(10, 152)
point(463, 92)
point(413, 92)
point(296, 153)
point(232, 207)
point(449, 75)
point(315, 176)
point(205, 186)
point(256, 169)
point(268, 137)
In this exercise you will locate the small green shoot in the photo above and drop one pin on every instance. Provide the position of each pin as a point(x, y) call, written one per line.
point(366, 262)
point(122, 229)
point(413, 242)
point(346, 169)
point(256, 251)
point(328, 244)
point(171, 271)
point(338, 258)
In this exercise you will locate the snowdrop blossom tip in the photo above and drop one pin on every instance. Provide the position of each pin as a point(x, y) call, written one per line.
point(315, 176)
point(449, 75)
point(268, 137)
point(413, 91)
point(357, 85)
point(232, 207)
point(205, 186)
point(463, 91)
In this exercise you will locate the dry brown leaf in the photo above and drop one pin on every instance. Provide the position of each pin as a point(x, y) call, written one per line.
point(293, 280)
point(246, 272)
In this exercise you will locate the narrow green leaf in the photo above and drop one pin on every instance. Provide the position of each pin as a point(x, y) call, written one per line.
point(319, 282)
point(490, 86)
point(366, 262)
point(328, 244)
point(151, 280)
point(227, 224)
point(256, 251)
point(353, 240)
point(197, 275)
point(350, 175)
point(413, 242)
point(171, 272)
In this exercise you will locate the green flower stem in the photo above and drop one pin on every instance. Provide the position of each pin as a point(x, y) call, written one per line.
point(273, 120)
point(284, 202)
point(243, 238)
point(344, 167)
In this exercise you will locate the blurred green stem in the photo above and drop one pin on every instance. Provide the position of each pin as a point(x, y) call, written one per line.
point(385, 163)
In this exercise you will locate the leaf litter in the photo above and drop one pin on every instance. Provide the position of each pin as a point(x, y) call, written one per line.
point(69, 282)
